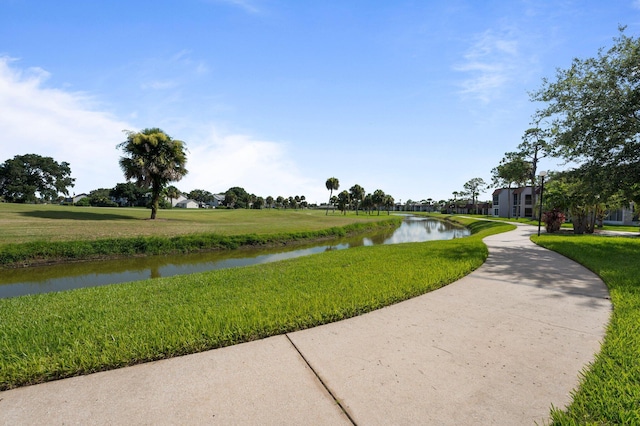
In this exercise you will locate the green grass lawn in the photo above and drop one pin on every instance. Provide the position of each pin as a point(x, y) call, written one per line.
point(33, 234)
point(55, 335)
point(609, 392)
point(21, 223)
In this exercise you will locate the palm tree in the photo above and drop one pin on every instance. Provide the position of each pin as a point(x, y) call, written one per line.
point(388, 202)
point(270, 201)
point(455, 200)
point(343, 201)
point(378, 199)
point(332, 184)
point(153, 159)
point(357, 194)
point(172, 193)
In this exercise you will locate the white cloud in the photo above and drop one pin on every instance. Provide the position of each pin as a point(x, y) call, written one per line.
point(246, 5)
point(54, 123)
point(68, 127)
point(219, 162)
point(491, 63)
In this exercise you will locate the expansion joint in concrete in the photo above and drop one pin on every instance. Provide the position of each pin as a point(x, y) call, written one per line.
point(324, 385)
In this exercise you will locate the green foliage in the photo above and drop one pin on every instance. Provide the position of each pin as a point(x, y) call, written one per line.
point(130, 193)
point(153, 159)
point(344, 199)
point(592, 111)
point(25, 175)
point(201, 196)
point(332, 184)
point(55, 335)
point(609, 391)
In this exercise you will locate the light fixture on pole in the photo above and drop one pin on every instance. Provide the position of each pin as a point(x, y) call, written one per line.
point(542, 175)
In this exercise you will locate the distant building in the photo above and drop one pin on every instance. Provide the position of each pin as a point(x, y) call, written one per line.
point(187, 204)
point(75, 198)
point(514, 202)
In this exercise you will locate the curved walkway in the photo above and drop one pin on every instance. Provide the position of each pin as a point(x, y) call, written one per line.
point(499, 346)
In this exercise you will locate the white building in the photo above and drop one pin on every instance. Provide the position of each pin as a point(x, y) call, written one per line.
point(187, 204)
point(514, 202)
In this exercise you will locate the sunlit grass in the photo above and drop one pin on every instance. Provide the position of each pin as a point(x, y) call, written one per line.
point(37, 234)
point(609, 391)
point(55, 335)
point(22, 223)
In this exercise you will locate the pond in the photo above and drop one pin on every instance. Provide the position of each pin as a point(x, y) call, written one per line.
point(44, 279)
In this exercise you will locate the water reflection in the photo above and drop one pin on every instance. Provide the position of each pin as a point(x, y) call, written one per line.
point(43, 279)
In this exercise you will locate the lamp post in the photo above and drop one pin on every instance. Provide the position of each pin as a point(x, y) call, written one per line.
point(542, 175)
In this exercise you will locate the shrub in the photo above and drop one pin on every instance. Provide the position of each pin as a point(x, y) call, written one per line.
point(553, 219)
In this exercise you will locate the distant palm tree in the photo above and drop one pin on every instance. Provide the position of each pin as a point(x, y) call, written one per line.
point(332, 184)
point(367, 203)
point(388, 203)
point(343, 201)
point(172, 193)
point(378, 199)
point(153, 159)
point(270, 201)
point(357, 194)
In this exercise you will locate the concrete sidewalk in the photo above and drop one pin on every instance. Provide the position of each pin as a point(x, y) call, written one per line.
point(499, 346)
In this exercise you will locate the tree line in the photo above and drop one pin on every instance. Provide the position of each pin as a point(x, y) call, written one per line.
point(357, 199)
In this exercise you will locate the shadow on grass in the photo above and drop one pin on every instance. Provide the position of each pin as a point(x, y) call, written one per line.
point(79, 215)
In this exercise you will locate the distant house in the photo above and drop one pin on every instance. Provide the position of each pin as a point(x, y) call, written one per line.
point(175, 201)
point(623, 216)
point(187, 204)
point(218, 200)
point(75, 198)
point(514, 202)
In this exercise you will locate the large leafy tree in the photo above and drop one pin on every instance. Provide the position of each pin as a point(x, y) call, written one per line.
point(578, 193)
point(332, 184)
point(153, 159)
point(533, 148)
point(128, 191)
point(25, 175)
point(593, 114)
point(512, 170)
point(237, 197)
point(201, 196)
point(473, 188)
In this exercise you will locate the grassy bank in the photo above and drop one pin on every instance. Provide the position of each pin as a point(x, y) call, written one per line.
point(609, 391)
point(55, 335)
point(23, 223)
point(67, 233)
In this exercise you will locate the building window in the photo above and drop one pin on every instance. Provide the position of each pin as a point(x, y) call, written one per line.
point(527, 199)
point(496, 200)
point(515, 199)
point(528, 212)
point(496, 212)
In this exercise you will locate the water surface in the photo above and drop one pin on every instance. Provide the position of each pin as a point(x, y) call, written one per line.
point(44, 279)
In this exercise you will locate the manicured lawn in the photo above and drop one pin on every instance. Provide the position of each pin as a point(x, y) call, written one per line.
point(38, 234)
point(22, 223)
point(609, 392)
point(55, 335)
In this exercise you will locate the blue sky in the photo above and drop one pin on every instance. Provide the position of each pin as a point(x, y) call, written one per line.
point(411, 97)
